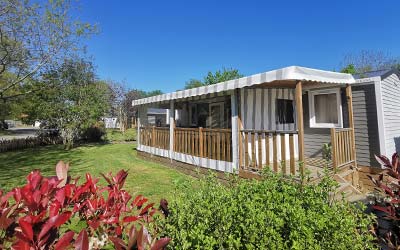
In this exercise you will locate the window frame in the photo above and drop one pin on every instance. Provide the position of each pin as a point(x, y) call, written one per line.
point(311, 102)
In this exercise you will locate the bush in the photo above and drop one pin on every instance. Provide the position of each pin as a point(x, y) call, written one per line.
point(94, 133)
point(388, 227)
point(273, 213)
point(59, 213)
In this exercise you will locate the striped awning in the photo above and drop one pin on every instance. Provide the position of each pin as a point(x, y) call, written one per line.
point(288, 73)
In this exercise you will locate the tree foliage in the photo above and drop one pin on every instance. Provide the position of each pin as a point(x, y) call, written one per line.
point(368, 60)
point(75, 101)
point(218, 76)
point(35, 36)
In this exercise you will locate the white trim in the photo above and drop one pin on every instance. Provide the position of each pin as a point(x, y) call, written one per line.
point(311, 95)
point(235, 132)
point(380, 117)
point(171, 128)
point(223, 166)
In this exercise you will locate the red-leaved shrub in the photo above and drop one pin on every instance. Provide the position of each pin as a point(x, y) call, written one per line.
point(389, 183)
point(38, 215)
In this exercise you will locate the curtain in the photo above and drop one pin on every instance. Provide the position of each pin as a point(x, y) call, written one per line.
point(325, 106)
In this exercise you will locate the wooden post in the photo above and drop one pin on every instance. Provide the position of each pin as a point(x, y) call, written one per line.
point(283, 153)
point(138, 136)
point(300, 123)
point(201, 142)
point(275, 151)
point(153, 137)
point(235, 132)
point(349, 96)
point(334, 147)
point(171, 130)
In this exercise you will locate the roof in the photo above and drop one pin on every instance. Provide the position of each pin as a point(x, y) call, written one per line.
point(288, 73)
point(383, 73)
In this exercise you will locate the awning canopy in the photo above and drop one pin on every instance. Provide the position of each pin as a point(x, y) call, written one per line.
point(288, 73)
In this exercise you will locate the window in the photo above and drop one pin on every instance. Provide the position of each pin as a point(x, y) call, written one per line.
point(325, 109)
point(285, 111)
point(193, 114)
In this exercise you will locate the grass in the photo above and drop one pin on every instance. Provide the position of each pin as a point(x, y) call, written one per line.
point(5, 132)
point(150, 179)
point(115, 135)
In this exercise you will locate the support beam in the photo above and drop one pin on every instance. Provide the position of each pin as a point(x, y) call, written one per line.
point(235, 132)
point(300, 124)
point(349, 96)
point(138, 127)
point(171, 129)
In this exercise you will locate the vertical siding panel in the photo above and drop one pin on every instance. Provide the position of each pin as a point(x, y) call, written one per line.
point(266, 109)
point(272, 113)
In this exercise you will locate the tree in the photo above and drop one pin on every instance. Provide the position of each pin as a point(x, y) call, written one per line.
point(349, 69)
point(34, 36)
point(368, 60)
point(75, 102)
point(193, 83)
point(222, 76)
point(213, 78)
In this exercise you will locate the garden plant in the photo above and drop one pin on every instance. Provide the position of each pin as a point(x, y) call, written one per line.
point(61, 212)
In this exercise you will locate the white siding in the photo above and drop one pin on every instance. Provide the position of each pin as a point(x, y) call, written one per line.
point(391, 110)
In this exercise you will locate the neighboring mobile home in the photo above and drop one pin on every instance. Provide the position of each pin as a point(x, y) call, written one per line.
point(376, 102)
point(285, 119)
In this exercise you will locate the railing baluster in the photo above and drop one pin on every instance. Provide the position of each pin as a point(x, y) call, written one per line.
point(275, 152)
point(266, 142)
point(292, 159)
point(283, 153)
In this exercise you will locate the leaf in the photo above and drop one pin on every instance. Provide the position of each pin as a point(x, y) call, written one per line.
point(21, 245)
point(145, 209)
point(54, 221)
point(82, 241)
point(383, 160)
point(161, 244)
point(140, 203)
point(128, 219)
point(132, 237)
point(26, 229)
point(62, 173)
point(107, 179)
point(54, 208)
point(119, 244)
point(64, 240)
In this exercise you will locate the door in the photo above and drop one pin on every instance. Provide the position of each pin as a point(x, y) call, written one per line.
point(216, 115)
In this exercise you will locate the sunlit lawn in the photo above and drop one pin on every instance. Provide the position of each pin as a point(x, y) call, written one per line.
point(150, 179)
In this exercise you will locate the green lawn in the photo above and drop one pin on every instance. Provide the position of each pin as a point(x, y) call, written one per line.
point(115, 135)
point(150, 179)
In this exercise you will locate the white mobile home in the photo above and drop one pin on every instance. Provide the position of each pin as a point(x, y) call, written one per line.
point(283, 119)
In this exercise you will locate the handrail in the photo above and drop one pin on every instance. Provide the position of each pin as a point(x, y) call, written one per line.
point(270, 131)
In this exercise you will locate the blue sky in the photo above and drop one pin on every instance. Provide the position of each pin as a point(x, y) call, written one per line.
point(161, 44)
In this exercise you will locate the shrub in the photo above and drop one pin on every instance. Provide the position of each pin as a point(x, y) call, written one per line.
point(389, 184)
point(94, 133)
point(273, 213)
point(59, 213)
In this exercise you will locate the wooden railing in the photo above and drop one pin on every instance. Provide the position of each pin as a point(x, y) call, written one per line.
point(342, 141)
point(156, 137)
point(257, 146)
point(146, 136)
point(206, 143)
point(161, 138)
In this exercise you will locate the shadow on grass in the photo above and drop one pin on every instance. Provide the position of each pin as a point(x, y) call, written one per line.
point(14, 166)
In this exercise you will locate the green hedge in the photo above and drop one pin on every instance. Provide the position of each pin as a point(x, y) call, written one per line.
point(273, 213)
